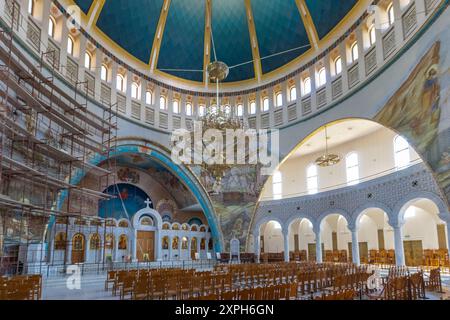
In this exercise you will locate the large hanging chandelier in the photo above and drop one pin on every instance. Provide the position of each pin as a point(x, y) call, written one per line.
point(328, 159)
point(220, 118)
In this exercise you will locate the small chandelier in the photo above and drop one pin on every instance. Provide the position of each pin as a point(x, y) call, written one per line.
point(328, 159)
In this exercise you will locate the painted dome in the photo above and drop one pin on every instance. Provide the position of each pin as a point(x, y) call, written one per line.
point(172, 37)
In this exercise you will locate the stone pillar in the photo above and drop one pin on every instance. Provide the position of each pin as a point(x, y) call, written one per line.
point(189, 248)
point(170, 248)
point(158, 247)
point(318, 245)
point(286, 246)
point(399, 250)
point(355, 246)
point(257, 247)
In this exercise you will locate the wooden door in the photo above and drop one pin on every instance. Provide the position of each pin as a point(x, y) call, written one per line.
point(311, 252)
point(78, 248)
point(363, 252)
point(145, 246)
point(441, 236)
point(350, 252)
point(334, 241)
point(193, 248)
point(413, 252)
point(296, 243)
point(381, 245)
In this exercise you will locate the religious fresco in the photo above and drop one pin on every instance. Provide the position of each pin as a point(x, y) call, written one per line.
point(236, 201)
point(420, 111)
point(128, 200)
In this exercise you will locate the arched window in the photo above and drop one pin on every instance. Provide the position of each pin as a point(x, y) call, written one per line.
point(279, 99)
point(51, 27)
point(31, 7)
point(120, 83)
point(189, 108)
point(354, 51)
point(322, 79)
point(338, 65)
point(203, 244)
point(184, 243)
point(239, 110)
point(60, 241)
point(94, 242)
point(78, 242)
point(277, 185)
point(109, 241)
point(162, 103)
point(70, 45)
point(135, 90)
point(401, 152)
point(352, 165)
point(87, 60)
point(390, 13)
point(265, 104)
point(175, 106)
point(252, 108)
point(312, 183)
point(307, 86)
point(372, 35)
point(293, 94)
point(148, 97)
point(123, 224)
point(123, 242)
point(201, 110)
point(175, 244)
point(104, 72)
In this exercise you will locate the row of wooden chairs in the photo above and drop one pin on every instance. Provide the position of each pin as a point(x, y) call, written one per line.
point(346, 294)
point(21, 287)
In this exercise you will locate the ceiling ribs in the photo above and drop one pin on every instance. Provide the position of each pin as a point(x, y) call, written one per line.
point(309, 23)
point(157, 41)
point(253, 41)
point(207, 41)
point(94, 13)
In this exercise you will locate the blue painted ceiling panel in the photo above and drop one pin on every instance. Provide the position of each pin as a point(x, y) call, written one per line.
point(183, 40)
point(279, 27)
point(84, 5)
point(232, 39)
point(326, 14)
point(131, 24)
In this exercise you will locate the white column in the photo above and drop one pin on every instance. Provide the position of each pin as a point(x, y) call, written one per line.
point(180, 242)
point(158, 247)
point(257, 247)
point(318, 245)
point(189, 248)
point(170, 248)
point(198, 247)
point(286, 246)
point(134, 253)
point(355, 246)
point(399, 250)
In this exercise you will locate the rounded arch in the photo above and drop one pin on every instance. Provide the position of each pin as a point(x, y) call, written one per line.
point(297, 217)
point(161, 155)
point(403, 204)
point(158, 223)
point(359, 212)
point(264, 220)
point(328, 212)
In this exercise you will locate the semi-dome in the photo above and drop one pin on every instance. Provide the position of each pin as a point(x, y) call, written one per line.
point(172, 37)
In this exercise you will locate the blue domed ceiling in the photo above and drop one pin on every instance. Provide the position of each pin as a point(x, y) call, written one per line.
point(278, 25)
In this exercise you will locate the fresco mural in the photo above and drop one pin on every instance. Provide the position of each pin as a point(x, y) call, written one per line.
point(420, 111)
point(236, 202)
point(126, 195)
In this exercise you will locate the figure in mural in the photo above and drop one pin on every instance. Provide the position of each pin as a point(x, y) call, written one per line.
point(417, 110)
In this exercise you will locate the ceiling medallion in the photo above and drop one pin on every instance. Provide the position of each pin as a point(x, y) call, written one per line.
point(328, 159)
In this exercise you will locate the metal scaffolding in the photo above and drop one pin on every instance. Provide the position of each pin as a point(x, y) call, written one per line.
point(48, 140)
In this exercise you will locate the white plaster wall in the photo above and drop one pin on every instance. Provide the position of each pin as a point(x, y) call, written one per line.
point(273, 239)
point(423, 226)
point(376, 158)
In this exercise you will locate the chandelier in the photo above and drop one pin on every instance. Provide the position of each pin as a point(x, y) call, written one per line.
point(218, 118)
point(328, 159)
